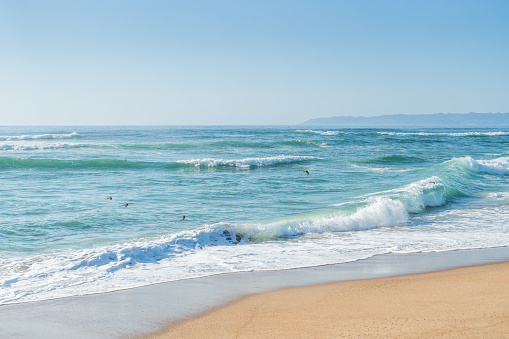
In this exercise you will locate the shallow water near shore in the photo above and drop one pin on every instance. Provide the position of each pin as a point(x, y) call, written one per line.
point(248, 204)
point(149, 309)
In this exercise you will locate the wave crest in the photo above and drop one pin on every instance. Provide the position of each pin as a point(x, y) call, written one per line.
point(451, 134)
point(388, 159)
point(309, 131)
point(38, 136)
point(495, 166)
point(247, 162)
point(18, 147)
point(49, 273)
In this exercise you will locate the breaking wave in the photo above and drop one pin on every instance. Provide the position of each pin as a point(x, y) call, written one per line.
point(394, 208)
point(17, 163)
point(309, 131)
point(38, 136)
point(495, 166)
point(452, 134)
point(49, 273)
point(247, 162)
point(19, 147)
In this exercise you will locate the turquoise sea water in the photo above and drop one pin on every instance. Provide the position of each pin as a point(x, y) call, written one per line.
point(247, 202)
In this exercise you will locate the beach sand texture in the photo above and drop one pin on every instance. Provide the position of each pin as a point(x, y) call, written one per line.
point(469, 302)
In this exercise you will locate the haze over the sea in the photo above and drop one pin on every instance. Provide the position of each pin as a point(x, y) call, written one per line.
point(437, 120)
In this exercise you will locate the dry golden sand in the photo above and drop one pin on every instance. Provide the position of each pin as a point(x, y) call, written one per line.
point(471, 302)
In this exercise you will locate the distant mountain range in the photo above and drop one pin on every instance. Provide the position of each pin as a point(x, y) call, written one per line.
point(418, 120)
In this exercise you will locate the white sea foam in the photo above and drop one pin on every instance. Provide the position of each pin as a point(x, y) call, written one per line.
point(247, 162)
point(38, 136)
point(33, 147)
point(377, 169)
point(452, 134)
point(494, 166)
point(213, 249)
point(379, 212)
point(415, 197)
point(47, 275)
point(320, 132)
point(498, 195)
point(424, 193)
point(308, 240)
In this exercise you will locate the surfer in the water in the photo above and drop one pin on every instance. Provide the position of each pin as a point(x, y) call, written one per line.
point(108, 198)
point(305, 172)
point(125, 205)
point(182, 217)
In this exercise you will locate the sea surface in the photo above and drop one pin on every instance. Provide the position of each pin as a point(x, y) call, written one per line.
point(248, 203)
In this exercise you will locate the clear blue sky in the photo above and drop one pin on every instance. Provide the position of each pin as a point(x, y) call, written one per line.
point(248, 62)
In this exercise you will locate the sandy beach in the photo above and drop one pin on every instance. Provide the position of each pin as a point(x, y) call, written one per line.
point(463, 302)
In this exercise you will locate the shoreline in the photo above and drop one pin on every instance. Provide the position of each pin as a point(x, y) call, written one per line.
point(461, 302)
point(146, 310)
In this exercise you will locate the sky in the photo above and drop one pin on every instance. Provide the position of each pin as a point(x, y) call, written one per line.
point(239, 62)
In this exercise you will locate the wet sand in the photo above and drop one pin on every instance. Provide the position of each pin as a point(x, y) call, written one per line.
point(465, 302)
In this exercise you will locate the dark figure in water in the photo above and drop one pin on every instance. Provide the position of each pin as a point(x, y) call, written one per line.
point(108, 198)
point(125, 205)
point(306, 172)
point(182, 217)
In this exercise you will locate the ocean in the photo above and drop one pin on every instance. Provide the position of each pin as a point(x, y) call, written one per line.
point(248, 203)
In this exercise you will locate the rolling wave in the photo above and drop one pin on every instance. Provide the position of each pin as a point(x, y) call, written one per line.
point(393, 208)
point(495, 166)
point(309, 131)
point(247, 162)
point(38, 147)
point(18, 163)
point(451, 134)
point(388, 159)
point(26, 143)
point(52, 271)
point(380, 210)
point(38, 136)
point(221, 144)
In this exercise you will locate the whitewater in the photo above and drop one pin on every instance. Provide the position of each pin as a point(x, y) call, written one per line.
point(248, 203)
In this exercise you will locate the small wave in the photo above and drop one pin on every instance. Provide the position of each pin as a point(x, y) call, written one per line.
point(7, 162)
point(223, 144)
point(302, 143)
point(454, 134)
point(377, 169)
point(309, 131)
point(498, 195)
point(155, 146)
point(393, 159)
point(17, 163)
point(38, 136)
point(495, 166)
point(18, 147)
point(214, 144)
point(425, 193)
point(247, 162)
